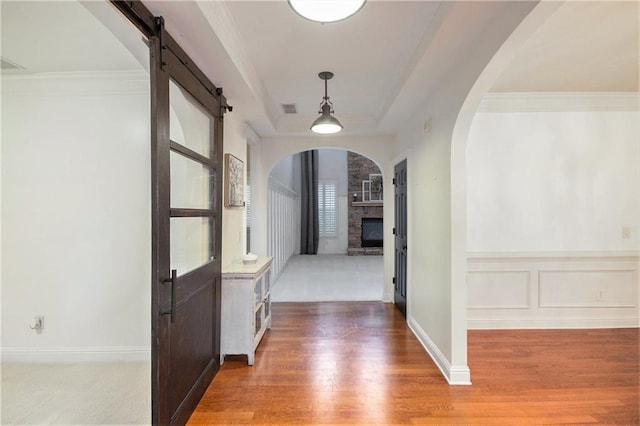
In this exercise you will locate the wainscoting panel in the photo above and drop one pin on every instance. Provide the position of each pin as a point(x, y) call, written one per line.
point(587, 289)
point(283, 227)
point(498, 289)
point(553, 290)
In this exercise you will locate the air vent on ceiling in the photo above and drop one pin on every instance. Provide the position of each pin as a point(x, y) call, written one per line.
point(289, 108)
point(6, 64)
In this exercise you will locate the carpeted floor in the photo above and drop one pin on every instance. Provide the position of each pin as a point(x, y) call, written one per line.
point(76, 394)
point(330, 278)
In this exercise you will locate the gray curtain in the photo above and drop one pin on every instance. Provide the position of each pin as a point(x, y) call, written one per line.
point(309, 230)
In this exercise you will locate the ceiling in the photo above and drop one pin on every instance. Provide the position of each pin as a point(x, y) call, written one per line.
point(387, 58)
point(43, 37)
point(584, 47)
point(369, 56)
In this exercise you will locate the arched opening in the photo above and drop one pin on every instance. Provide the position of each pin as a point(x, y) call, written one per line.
point(547, 151)
point(265, 153)
point(348, 264)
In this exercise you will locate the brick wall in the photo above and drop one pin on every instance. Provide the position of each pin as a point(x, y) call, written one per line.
point(359, 168)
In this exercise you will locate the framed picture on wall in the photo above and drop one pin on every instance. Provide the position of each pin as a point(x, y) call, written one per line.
point(234, 181)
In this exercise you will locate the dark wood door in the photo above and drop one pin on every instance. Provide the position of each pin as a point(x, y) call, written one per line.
point(186, 182)
point(400, 197)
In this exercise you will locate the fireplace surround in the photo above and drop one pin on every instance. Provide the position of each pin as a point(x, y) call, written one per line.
point(360, 169)
point(372, 232)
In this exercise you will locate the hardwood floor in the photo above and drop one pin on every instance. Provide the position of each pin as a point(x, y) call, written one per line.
point(358, 363)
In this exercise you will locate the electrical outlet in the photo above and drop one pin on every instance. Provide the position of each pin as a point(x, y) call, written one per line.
point(626, 232)
point(37, 323)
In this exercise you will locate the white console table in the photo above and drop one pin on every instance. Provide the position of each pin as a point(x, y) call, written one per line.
point(246, 307)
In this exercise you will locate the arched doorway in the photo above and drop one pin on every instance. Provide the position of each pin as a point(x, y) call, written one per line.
point(265, 153)
point(349, 263)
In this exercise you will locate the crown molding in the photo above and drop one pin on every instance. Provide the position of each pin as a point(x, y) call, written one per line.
point(79, 75)
point(559, 102)
point(250, 134)
point(110, 83)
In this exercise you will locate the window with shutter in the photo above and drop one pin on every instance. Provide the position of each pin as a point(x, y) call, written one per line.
point(327, 214)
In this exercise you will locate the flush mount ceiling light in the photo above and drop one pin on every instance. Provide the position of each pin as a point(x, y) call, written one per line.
point(326, 124)
point(326, 11)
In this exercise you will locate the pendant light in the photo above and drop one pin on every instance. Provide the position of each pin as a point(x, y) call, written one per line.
point(325, 11)
point(326, 124)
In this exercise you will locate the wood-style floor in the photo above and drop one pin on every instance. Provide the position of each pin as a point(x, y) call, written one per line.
point(358, 363)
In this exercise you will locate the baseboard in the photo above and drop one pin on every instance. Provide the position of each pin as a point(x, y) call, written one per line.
point(552, 323)
point(78, 354)
point(453, 374)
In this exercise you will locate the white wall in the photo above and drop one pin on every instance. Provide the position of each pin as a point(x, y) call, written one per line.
point(234, 233)
point(434, 143)
point(550, 195)
point(553, 181)
point(76, 216)
point(287, 174)
point(429, 294)
point(332, 166)
point(258, 203)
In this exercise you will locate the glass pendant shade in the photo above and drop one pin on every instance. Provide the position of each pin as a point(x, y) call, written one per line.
point(326, 124)
point(324, 10)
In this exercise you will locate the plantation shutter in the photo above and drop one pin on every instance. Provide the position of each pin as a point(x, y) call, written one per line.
point(327, 214)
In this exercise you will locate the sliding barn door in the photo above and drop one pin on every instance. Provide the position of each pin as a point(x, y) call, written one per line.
point(186, 182)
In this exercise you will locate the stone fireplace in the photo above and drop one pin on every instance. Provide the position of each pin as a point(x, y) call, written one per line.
point(363, 214)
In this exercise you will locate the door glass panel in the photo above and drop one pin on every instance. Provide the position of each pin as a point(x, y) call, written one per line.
point(191, 244)
point(190, 183)
point(258, 323)
point(190, 124)
point(267, 307)
point(258, 292)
